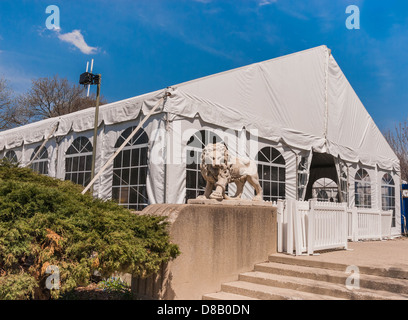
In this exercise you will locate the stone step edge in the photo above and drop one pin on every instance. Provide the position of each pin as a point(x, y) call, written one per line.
point(334, 276)
point(375, 271)
point(323, 288)
point(226, 296)
point(264, 292)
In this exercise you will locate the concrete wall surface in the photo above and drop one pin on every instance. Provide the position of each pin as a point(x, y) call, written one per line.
point(217, 242)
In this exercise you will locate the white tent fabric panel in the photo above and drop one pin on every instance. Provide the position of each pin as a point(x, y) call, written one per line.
point(352, 133)
point(52, 150)
point(109, 114)
point(27, 134)
point(155, 130)
point(80, 121)
point(274, 97)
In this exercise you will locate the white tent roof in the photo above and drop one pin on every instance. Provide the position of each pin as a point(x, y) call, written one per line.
point(302, 99)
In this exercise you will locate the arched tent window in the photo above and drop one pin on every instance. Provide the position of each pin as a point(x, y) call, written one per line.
point(272, 173)
point(11, 156)
point(78, 161)
point(325, 190)
point(40, 164)
point(362, 189)
point(130, 171)
point(195, 183)
point(388, 195)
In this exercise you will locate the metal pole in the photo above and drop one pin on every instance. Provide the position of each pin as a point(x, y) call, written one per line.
point(96, 124)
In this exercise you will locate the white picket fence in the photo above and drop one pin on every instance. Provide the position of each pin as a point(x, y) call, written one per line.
point(368, 224)
point(306, 227)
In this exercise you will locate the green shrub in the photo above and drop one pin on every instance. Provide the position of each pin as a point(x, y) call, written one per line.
point(47, 222)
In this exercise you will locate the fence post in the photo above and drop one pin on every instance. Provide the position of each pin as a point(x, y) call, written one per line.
point(310, 228)
point(345, 226)
point(281, 208)
point(297, 229)
point(289, 227)
point(354, 224)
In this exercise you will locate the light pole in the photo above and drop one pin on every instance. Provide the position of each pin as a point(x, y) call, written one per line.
point(87, 79)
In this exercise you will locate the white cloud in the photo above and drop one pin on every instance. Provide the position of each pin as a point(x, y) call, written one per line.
point(266, 2)
point(77, 39)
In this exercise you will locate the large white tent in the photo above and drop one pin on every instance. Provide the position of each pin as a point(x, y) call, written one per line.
point(299, 109)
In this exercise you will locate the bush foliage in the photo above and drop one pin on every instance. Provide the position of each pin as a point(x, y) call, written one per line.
point(47, 222)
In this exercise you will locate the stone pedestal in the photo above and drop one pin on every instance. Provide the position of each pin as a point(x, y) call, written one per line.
point(218, 241)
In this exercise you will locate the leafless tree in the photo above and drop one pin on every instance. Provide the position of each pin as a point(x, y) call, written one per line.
point(53, 97)
point(398, 140)
point(12, 114)
point(47, 98)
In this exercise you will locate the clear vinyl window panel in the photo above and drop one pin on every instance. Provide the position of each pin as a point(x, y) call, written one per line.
point(362, 186)
point(325, 190)
point(130, 170)
point(388, 196)
point(78, 161)
point(40, 164)
point(195, 183)
point(272, 174)
point(11, 156)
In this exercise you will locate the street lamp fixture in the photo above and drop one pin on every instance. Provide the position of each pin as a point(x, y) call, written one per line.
point(88, 79)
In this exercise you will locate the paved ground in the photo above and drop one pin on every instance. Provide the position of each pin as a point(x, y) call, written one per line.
point(384, 254)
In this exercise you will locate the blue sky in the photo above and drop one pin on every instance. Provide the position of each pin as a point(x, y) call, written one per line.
point(141, 46)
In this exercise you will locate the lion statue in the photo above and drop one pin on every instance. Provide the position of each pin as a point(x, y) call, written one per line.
point(219, 170)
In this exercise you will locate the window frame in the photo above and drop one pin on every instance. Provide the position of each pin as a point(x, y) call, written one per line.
point(271, 163)
point(389, 185)
point(361, 182)
point(41, 161)
point(13, 159)
point(84, 152)
point(129, 177)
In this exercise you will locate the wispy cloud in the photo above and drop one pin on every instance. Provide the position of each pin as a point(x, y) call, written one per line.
point(77, 39)
point(266, 2)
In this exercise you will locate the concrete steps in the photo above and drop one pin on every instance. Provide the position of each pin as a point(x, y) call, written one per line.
point(290, 278)
point(227, 296)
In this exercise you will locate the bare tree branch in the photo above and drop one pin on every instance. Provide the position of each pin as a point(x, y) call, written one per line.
point(398, 140)
point(12, 114)
point(53, 97)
